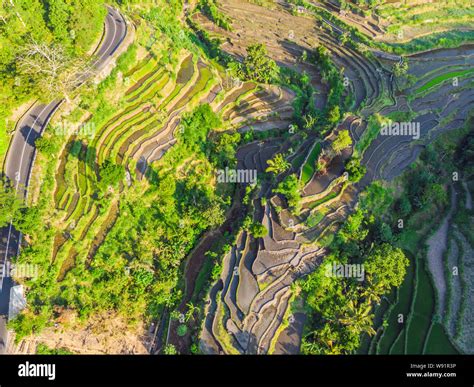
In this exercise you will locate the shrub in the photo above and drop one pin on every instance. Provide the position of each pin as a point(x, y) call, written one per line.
point(170, 349)
point(257, 66)
point(355, 170)
point(182, 330)
point(289, 187)
point(47, 145)
point(342, 141)
point(110, 174)
point(258, 230)
point(209, 8)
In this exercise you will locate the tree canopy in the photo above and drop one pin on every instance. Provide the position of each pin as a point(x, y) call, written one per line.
point(257, 66)
point(342, 141)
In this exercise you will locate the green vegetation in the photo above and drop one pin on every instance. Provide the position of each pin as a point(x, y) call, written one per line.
point(257, 66)
point(290, 188)
point(448, 14)
point(110, 174)
point(374, 125)
point(333, 78)
point(309, 166)
point(355, 170)
point(443, 77)
point(314, 219)
point(400, 68)
point(117, 213)
point(197, 126)
point(124, 275)
point(182, 330)
point(170, 349)
point(258, 230)
point(342, 141)
point(424, 194)
point(13, 210)
point(67, 29)
point(438, 342)
point(209, 8)
point(90, 261)
point(43, 349)
point(341, 307)
point(447, 39)
point(278, 164)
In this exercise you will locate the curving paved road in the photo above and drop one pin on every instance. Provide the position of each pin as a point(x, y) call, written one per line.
point(21, 154)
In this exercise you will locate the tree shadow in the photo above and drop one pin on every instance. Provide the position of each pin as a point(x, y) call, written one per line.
point(29, 134)
point(151, 175)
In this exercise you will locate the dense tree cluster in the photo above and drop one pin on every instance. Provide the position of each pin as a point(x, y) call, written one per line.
point(31, 27)
point(13, 209)
point(342, 141)
point(342, 307)
point(135, 271)
point(110, 174)
point(355, 169)
point(257, 65)
point(400, 68)
point(72, 24)
point(464, 155)
point(196, 127)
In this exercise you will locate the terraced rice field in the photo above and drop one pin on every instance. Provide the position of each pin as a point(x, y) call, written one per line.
point(309, 164)
point(429, 325)
point(458, 258)
point(258, 274)
point(443, 77)
point(411, 322)
point(256, 281)
point(442, 107)
point(282, 231)
point(137, 135)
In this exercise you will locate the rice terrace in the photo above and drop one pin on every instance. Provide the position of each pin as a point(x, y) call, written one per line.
point(237, 177)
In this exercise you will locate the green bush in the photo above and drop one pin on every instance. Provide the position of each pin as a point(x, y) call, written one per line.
point(258, 230)
point(355, 170)
point(182, 330)
point(209, 8)
point(110, 174)
point(289, 188)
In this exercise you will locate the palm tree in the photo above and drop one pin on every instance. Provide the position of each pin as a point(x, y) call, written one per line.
point(373, 291)
point(278, 164)
point(342, 141)
point(324, 340)
point(309, 121)
point(358, 319)
point(192, 309)
point(310, 347)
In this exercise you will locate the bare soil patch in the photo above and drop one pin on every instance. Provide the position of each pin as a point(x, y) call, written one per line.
point(107, 333)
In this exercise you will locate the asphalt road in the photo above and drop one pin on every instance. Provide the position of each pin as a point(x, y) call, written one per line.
point(21, 154)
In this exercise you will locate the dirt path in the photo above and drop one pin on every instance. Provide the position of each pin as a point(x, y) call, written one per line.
point(436, 247)
point(105, 333)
